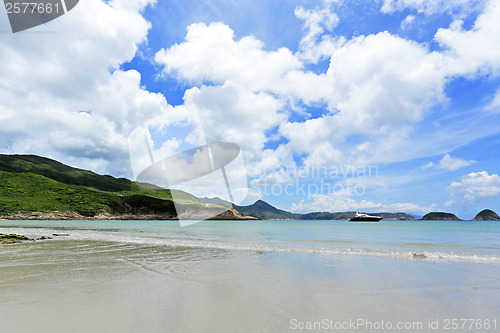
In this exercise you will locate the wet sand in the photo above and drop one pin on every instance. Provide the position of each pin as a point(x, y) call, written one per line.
point(98, 286)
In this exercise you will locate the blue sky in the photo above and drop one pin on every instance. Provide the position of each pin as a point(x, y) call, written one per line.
point(310, 91)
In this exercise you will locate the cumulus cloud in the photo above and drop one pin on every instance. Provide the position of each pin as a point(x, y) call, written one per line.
point(450, 163)
point(314, 44)
point(377, 89)
point(248, 88)
point(63, 94)
point(381, 85)
point(237, 115)
point(474, 51)
point(397, 79)
point(475, 186)
point(210, 54)
point(343, 200)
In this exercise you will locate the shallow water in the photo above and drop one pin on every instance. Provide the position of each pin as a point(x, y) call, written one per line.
point(272, 276)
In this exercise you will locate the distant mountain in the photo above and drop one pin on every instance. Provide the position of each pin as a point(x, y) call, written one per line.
point(396, 216)
point(325, 216)
point(348, 215)
point(215, 200)
point(440, 216)
point(487, 215)
point(264, 211)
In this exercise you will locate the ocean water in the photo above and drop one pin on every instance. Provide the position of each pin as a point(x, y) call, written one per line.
point(252, 276)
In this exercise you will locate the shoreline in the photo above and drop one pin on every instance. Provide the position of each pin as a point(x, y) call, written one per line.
point(73, 216)
point(68, 216)
point(230, 214)
point(169, 239)
point(97, 286)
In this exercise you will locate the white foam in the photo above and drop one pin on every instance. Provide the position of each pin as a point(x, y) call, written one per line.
point(106, 236)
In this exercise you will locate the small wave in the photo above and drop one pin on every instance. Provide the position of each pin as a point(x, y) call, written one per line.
point(94, 235)
point(419, 256)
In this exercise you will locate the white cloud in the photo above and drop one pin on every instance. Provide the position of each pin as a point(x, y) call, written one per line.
point(250, 86)
point(377, 88)
point(210, 53)
point(430, 7)
point(233, 114)
point(343, 200)
point(54, 72)
point(450, 163)
point(397, 79)
point(381, 85)
point(408, 21)
point(314, 44)
point(324, 154)
point(474, 51)
point(494, 105)
point(400, 81)
point(475, 186)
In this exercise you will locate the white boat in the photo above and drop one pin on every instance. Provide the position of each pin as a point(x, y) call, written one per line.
point(362, 217)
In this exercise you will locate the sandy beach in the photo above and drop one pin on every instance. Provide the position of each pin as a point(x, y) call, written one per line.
point(134, 282)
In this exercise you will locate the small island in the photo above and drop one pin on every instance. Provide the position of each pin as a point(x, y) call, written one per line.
point(440, 216)
point(486, 215)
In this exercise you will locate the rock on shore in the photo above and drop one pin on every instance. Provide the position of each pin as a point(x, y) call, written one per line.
point(232, 214)
point(13, 238)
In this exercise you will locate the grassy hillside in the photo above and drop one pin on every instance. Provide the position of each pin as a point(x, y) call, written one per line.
point(25, 192)
point(63, 173)
point(36, 184)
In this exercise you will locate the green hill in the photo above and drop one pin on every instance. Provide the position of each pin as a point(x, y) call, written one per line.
point(440, 216)
point(31, 184)
point(487, 215)
point(264, 211)
point(62, 173)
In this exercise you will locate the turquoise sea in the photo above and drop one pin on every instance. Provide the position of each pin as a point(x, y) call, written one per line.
point(257, 276)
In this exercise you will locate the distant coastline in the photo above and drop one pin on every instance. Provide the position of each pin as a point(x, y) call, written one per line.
point(38, 188)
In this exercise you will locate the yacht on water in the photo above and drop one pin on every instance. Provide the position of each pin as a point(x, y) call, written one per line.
point(362, 217)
